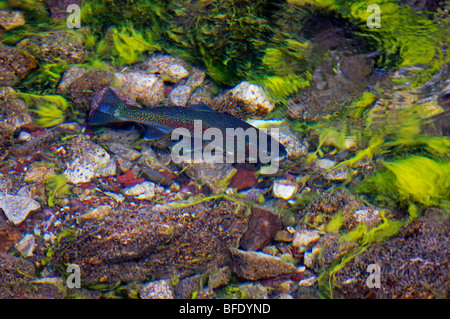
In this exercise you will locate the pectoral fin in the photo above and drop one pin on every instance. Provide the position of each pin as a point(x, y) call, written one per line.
point(153, 132)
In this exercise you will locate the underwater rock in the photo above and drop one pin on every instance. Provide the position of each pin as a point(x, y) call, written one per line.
point(53, 47)
point(338, 174)
point(252, 290)
point(219, 277)
point(15, 65)
point(14, 109)
point(294, 148)
point(187, 286)
point(38, 171)
point(284, 189)
point(253, 265)
point(244, 100)
point(72, 73)
point(159, 289)
point(262, 226)
point(330, 90)
point(202, 95)
point(146, 89)
point(324, 163)
point(156, 176)
point(26, 245)
point(170, 68)
point(58, 8)
point(414, 264)
point(85, 159)
point(21, 272)
point(153, 246)
point(180, 95)
point(10, 19)
point(97, 212)
point(215, 175)
point(9, 235)
point(145, 190)
point(128, 153)
point(195, 79)
point(303, 238)
point(244, 178)
point(17, 208)
point(85, 86)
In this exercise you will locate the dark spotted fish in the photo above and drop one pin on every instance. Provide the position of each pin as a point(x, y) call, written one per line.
point(162, 120)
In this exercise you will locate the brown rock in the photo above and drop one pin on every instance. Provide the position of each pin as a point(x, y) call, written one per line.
point(254, 265)
point(58, 8)
point(9, 235)
point(244, 178)
point(14, 65)
point(262, 226)
point(55, 46)
point(136, 245)
point(16, 281)
point(83, 89)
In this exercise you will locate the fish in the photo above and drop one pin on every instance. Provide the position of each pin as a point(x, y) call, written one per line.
point(160, 121)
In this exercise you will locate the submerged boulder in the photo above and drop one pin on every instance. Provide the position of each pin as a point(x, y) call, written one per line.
point(141, 244)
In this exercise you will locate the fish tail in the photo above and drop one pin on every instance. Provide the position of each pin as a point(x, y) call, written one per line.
point(106, 109)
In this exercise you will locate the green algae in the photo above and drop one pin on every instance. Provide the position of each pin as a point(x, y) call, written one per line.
point(57, 187)
point(364, 236)
point(49, 109)
point(125, 45)
point(416, 179)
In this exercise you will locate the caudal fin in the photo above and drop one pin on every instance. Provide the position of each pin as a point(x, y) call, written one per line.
point(104, 107)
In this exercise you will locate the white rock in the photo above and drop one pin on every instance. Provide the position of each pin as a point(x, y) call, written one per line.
point(324, 163)
point(180, 95)
point(254, 96)
point(284, 189)
point(307, 282)
point(147, 88)
point(17, 208)
point(87, 158)
point(304, 237)
point(26, 245)
point(145, 190)
point(159, 289)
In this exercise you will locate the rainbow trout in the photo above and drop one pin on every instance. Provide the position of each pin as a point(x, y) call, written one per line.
point(162, 120)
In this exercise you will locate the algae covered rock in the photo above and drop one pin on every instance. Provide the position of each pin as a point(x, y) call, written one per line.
point(11, 19)
point(55, 46)
point(13, 109)
point(15, 65)
point(138, 244)
point(21, 272)
point(414, 264)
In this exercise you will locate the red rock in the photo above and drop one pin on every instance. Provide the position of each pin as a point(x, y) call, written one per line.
point(262, 226)
point(9, 235)
point(244, 178)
